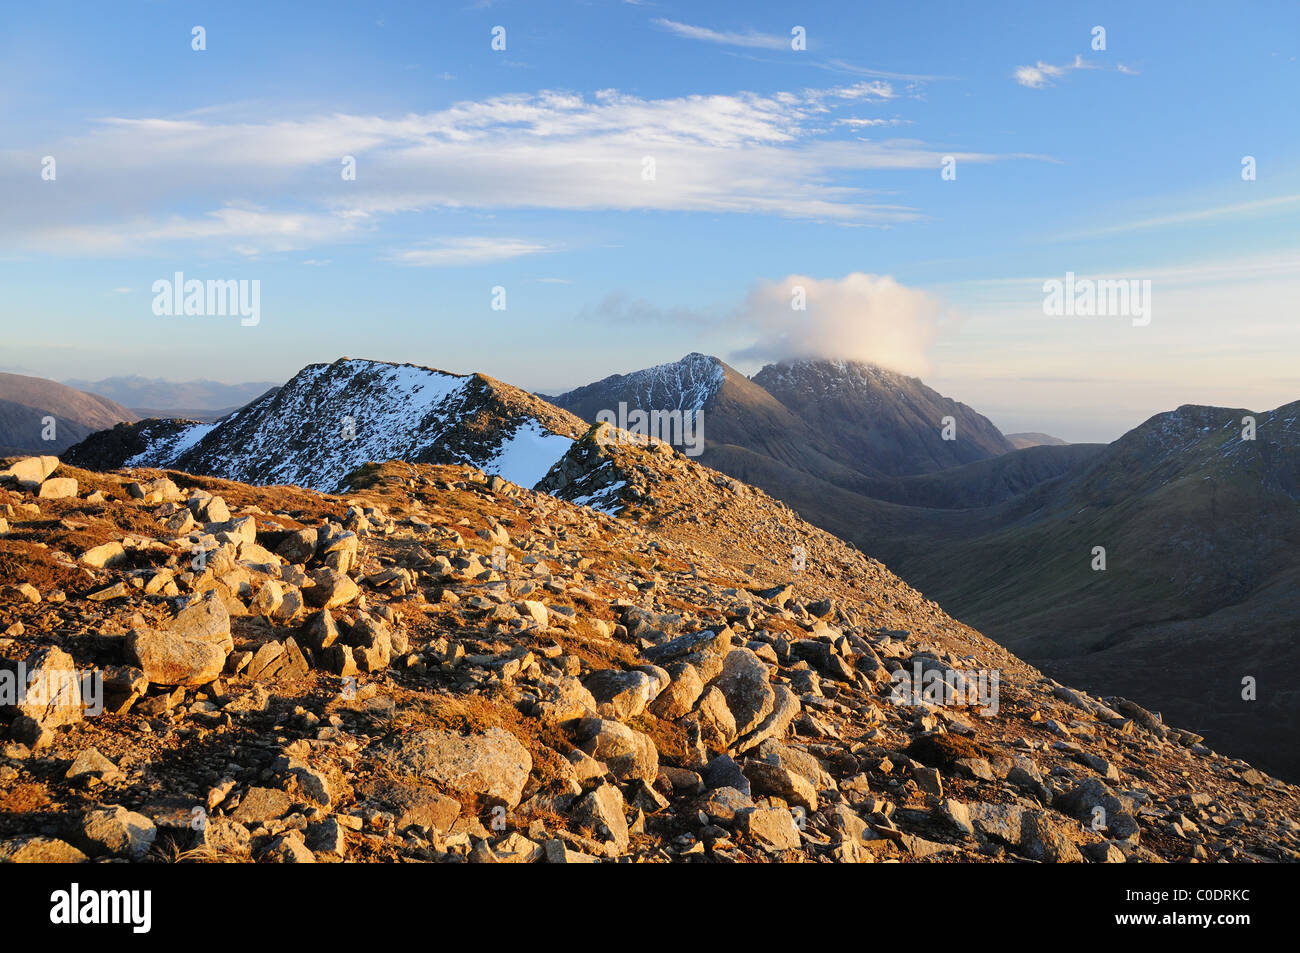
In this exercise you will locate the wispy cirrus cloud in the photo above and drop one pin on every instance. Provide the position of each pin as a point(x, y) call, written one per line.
point(841, 66)
point(467, 251)
point(1256, 208)
point(274, 184)
point(246, 231)
point(1041, 74)
point(750, 38)
point(867, 123)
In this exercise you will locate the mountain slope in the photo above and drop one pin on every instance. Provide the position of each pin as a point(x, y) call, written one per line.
point(734, 411)
point(1201, 531)
point(331, 418)
point(25, 402)
point(878, 420)
point(852, 425)
point(374, 677)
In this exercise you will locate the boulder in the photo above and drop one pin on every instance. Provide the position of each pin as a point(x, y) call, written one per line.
point(716, 722)
point(58, 488)
point(30, 472)
point(746, 686)
point(1043, 838)
point(331, 589)
point(773, 779)
point(683, 690)
point(53, 692)
point(492, 764)
point(115, 830)
point(416, 805)
point(620, 695)
point(39, 850)
point(205, 619)
point(784, 709)
point(260, 805)
point(602, 810)
point(772, 828)
point(298, 546)
point(106, 554)
point(168, 659)
point(628, 753)
point(268, 600)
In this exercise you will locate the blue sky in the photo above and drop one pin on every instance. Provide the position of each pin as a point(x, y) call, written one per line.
point(774, 168)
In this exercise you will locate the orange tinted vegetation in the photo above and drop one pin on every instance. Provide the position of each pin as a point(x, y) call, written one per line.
point(26, 562)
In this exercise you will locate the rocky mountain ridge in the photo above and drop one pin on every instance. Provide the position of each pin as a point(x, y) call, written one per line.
point(441, 665)
point(330, 419)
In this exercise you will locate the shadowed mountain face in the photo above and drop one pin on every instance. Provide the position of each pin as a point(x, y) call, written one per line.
point(881, 421)
point(26, 403)
point(332, 418)
point(1201, 533)
point(845, 423)
point(735, 411)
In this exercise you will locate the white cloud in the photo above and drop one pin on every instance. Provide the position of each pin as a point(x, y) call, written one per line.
point(764, 41)
point(466, 251)
point(1236, 210)
point(1041, 74)
point(870, 318)
point(863, 123)
point(247, 231)
point(840, 66)
point(275, 184)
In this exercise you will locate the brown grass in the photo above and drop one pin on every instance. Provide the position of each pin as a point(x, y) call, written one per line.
point(26, 562)
point(942, 751)
point(24, 799)
point(473, 714)
point(669, 738)
point(597, 653)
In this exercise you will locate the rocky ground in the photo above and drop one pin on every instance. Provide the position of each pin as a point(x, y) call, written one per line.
point(442, 666)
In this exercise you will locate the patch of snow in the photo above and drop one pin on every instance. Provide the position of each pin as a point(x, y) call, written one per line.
point(604, 500)
point(528, 455)
point(162, 452)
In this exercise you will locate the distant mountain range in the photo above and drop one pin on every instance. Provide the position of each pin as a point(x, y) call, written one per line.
point(201, 399)
point(1201, 532)
point(1033, 439)
point(1200, 527)
point(28, 403)
point(849, 424)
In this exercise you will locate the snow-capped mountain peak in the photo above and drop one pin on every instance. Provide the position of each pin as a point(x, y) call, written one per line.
point(332, 418)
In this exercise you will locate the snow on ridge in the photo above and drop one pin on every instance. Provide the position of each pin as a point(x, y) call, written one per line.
point(330, 419)
point(164, 450)
point(679, 385)
point(528, 454)
point(824, 375)
point(305, 434)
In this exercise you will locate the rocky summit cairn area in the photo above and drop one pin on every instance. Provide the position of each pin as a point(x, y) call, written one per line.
point(651, 662)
